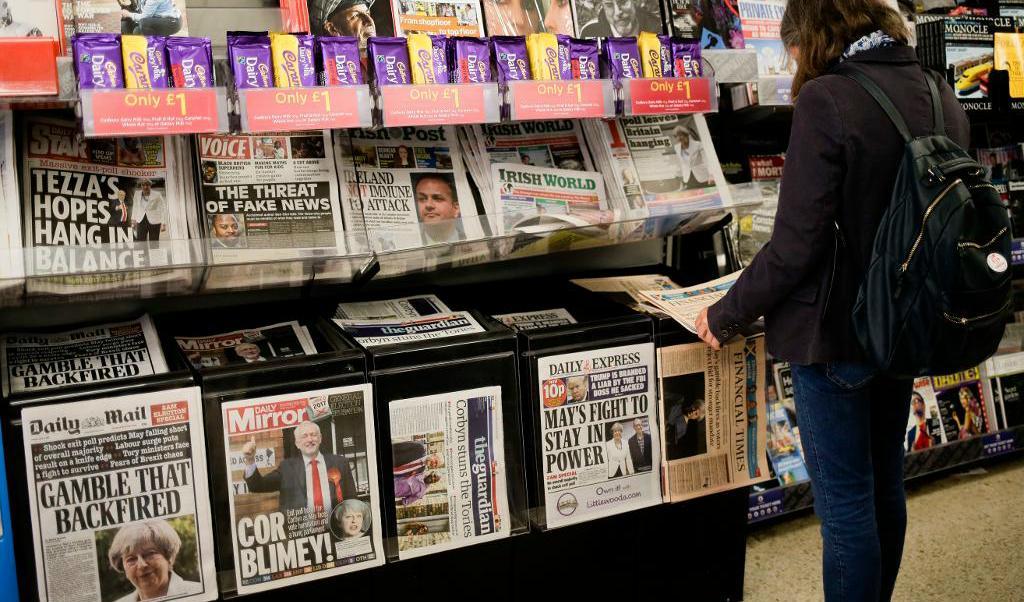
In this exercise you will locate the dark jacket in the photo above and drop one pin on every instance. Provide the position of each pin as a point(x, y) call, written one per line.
point(641, 460)
point(840, 167)
point(290, 480)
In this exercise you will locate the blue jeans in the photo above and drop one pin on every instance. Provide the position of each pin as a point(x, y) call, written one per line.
point(852, 426)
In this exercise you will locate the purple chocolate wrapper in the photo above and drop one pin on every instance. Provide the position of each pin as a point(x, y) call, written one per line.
point(470, 60)
point(389, 58)
point(307, 60)
point(191, 62)
point(97, 59)
point(339, 59)
point(667, 66)
point(510, 57)
point(564, 56)
point(440, 53)
point(584, 56)
point(686, 58)
point(250, 60)
point(622, 57)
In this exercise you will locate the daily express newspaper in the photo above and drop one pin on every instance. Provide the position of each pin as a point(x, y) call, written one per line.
point(118, 498)
point(251, 345)
point(270, 196)
point(522, 192)
point(713, 408)
point(103, 353)
point(599, 447)
point(685, 304)
point(373, 333)
point(532, 320)
point(406, 186)
point(449, 471)
point(302, 470)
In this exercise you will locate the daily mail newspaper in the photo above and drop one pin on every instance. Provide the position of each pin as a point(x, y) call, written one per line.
point(118, 498)
point(599, 447)
point(406, 186)
point(304, 499)
point(532, 320)
point(713, 417)
point(104, 353)
point(252, 345)
point(270, 196)
point(522, 192)
point(685, 304)
point(449, 471)
point(374, 333)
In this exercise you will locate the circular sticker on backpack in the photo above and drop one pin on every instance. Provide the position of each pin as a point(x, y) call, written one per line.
point(997, 263)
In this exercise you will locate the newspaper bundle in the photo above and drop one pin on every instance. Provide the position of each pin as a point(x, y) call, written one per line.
point(251, 345)
point(685, 304)
point(523, 193)
point(599, 443)
point(36, 361)
point(302, 472)
point(532, 320)
point(118, 498)
point(270, 196)
point(406, 186)
point(449, 471)
point(713, 404)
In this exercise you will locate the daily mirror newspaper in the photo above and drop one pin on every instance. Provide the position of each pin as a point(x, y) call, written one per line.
point(713, 408)
point(302, 470)
point(252, 345)
point(599, 447)
point(449, 471)
point(118, 498)
point(102, 353)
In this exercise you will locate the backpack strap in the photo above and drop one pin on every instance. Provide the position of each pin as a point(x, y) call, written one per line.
point(883, 101)
point(940, 125)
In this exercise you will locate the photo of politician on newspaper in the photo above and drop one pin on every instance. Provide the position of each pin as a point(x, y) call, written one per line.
point(151, 559)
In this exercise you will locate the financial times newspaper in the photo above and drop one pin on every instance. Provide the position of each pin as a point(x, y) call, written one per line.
point(522, 192)
point(293, 521)
point(252, 345)
point(104, 353)
point(406, 186)
point(270, 196)
point(449, 471)
point(373, 333)
point(532, 320)
point(713, 417)
point(118, 498)
point(685, 304)
point(599, 446)
point(404, 308)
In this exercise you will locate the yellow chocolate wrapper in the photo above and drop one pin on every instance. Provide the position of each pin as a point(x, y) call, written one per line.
point(542, 49)
point(284, 50)
point(136, 67)
point(421, 55)
point(650, 54)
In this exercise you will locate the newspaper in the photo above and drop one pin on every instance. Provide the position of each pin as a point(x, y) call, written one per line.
point(406, 186)
point(248, 346)
point(374, 333)
point(35, 361)
point(12, 268)
point(627, 289)
point(404, 308)
point(600, 449)
point(30, 18)
point(118, 481)
point(713, 404)
point(685, 304)
point(270, 197)
point(613, 159)
point(522, 192)
point(532, 320)
point(284, 529)
point(924, 425)
point(444, 17)
point(449, 471)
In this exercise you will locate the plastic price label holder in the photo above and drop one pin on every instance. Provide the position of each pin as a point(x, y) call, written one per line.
point(439, 104)
point(302, 109)
point(668, 96)
point(29, 67)
point(565, 99)
point(168, 111)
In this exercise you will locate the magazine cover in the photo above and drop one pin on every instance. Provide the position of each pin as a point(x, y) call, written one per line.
point(444, 17)
point(924, 427)
point(523, 17)
point(8, 571)
point(761, 20)
point(684, 18)
point(600, 18)
point(249, 346)
point(304, 495)
point(1002, 164)
point(361, 19)
point(783, 447)
point(721, 24)
point(449, 471)
point(29, 18)
point(140, 17)
point(962, 404)
point(118, 498)
point(1009, 56)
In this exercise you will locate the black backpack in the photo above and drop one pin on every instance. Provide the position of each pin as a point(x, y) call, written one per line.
point(936, 294)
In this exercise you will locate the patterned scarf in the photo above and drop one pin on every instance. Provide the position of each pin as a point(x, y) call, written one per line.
point(877, 39)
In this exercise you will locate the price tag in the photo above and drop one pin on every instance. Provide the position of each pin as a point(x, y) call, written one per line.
point(439, 104)
point(153, 112)
point(576, 99)
point(298, 109)
point(668, 96)
point(997, 444)
point(764, 505)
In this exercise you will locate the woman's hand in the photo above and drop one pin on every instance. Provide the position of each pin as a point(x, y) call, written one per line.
point(704, 332)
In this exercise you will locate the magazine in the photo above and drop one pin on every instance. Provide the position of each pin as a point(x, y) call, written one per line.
point(248, 346)
point(361, 19)
point(610, 19)
point(444, 17)
point(130, 17)
point(1005, 380)
point(721, 25)
point(962, 404)
point(924, 425)
point(523, 17)
point(30, 18)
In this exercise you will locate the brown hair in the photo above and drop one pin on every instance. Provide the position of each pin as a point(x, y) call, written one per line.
point(822, 29)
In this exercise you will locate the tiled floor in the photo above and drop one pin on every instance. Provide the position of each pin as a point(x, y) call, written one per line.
point(965, 543)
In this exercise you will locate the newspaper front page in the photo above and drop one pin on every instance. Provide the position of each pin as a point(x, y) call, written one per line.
point(302, 470)
point(522, 192)
point(600, 449)
point(252, 345)
point(685, 304)
point(627, 289)
point(532, 320)
point(104, 353)
point(404, 308)
point(118, 498)
point(713, 404)
point(449, 471)
point(374, 333)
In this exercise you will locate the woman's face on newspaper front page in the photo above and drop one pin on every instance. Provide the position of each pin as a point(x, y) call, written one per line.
point(148, 570)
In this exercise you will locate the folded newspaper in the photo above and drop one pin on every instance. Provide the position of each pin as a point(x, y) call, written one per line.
point(403, 320)
point(685, 304)
point(627, 289)
point(251, 345)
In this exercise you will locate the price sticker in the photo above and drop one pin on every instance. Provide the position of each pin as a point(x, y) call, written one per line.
point(153, 112)
point(554, 392)
point(668, 96)
point(298, 109)
point(577, 99)
point(439, 104)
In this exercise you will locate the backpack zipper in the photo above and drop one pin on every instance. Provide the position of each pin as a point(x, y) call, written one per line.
point(927, 214)
point(964, 321)
point(974, 245)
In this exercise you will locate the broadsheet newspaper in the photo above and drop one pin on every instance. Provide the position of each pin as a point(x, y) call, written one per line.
point(627, 289)
point(252, 345)
point(713, 408)
point(449, 471)
point(117, 486)
point(270, 196)
point(103, 353)
point(599, 446)
point(291, 520)
point(685, 304)
point(407, 185)
point(532, 320)
point(373, 333)
point(522, 192)
point(403, 308)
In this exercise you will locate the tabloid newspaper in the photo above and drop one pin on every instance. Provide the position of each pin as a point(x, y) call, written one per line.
point(445, 17)
point(599, 447)
point(627, 289)
point(532, 320)
point(523, 193)
point(251, 345)
point(407, 186)
point(374, 333)
point(293, 521)
point(963, 407)
point(30, 18)
point(449, 471)
point(713, 404)
point(270, 196)
point(118, 498)
point(685, 304)
point(36, 361)
point(403, 308)
point(924, 425)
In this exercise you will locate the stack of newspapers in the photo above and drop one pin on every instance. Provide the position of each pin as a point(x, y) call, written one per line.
point(11, 266)
point(403, 320)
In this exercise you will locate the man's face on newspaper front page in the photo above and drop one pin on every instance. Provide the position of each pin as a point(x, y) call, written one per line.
point(435, 201)
point(307, 439)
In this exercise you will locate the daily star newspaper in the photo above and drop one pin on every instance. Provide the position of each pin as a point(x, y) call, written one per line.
point(290, 524)
point(449, 471)
point(713, 417)
point(685, 304)
point(102, 353)
point(261, 344)
point(599, 447)
point(116, 482)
